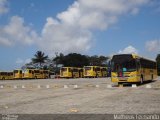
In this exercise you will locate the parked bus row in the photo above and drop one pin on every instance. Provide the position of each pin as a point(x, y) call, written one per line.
point(25, 74)
point(85, 72)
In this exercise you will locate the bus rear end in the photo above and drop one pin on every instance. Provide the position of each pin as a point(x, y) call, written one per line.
point(89, 71)
point(66, 72)
point(28, 74)
point(45, 74)
point(17, 74)
point(38, 74)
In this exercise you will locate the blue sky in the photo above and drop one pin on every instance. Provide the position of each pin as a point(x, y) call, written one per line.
point(85, 26)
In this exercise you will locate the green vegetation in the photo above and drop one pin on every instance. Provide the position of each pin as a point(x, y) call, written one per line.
point(78, 60)
point(39, 57)
point(42, 61)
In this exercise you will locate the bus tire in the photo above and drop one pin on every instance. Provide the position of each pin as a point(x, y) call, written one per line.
point(141, 80)
point(35, 77)
point(3, 78)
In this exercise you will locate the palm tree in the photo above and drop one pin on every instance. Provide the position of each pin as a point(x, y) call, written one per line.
point(39, 58)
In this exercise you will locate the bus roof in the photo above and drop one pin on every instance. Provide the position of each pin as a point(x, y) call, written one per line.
point(120, 57)
point(17, 69)
point(92, 66)
point(67, 67)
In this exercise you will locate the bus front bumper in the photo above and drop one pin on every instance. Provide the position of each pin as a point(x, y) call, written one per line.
point(126, 79)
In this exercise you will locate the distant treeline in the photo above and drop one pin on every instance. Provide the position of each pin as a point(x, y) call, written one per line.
point(78, 60)
point(40, 60)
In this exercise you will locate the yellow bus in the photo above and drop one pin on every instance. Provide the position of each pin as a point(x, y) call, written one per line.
point(45, 74)
point(130, 68)
point(3, 75)
point(66, 72)
point(75, 73)
point(92, 71)
point(38, 74)
point(17, 74)
point(28, 74)
point(10, 75)
point(104, 71)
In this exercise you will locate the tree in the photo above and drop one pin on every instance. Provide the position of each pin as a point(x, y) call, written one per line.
point(39, 57)
point(78, 60)
point(158, 64)
point(59, 59)
point(75, 60)
point(98, 60)
point(72, 59)
point(93, 60)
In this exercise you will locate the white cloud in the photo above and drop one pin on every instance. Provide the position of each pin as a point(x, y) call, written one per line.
point(22, 61)
point(72, 30)
point(27, 61)
point(135, 11)
point(19, 61)
point(3, 7)
point(17, 33)
point(128, 50)
point(153, 45)
point(63, 38)
point(5, 42)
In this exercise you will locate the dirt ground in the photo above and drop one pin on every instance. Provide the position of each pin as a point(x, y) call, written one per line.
point(86, 96)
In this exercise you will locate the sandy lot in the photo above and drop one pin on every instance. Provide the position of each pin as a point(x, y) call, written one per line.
point(64, 96)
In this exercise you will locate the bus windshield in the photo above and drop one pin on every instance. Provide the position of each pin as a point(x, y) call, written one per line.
point(87, 68)
point(123, 64)
point(15, 71)
point(63, 69)
point(75, 70)
point(97, 69)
